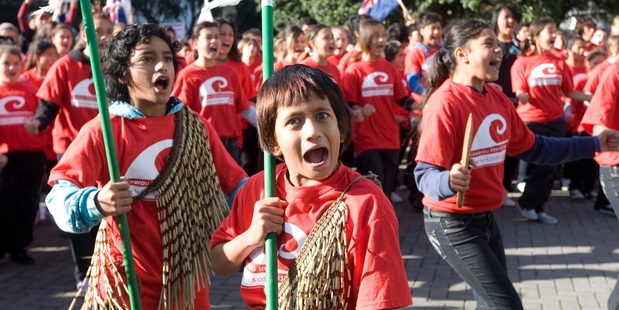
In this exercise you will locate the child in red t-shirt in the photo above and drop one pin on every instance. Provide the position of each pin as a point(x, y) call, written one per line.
point(67, 99)
point(145, 123)
point(468, 238)
point(340, 36)
point(372, 87)
point(322, 44)
point(20, 183)
point(417, 62)
point(540, 80)
point(213, 89)
point(304, 119)
point(575, 48)
point(612, 50)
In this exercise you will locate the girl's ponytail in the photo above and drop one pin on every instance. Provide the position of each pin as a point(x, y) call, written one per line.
point(440, 71)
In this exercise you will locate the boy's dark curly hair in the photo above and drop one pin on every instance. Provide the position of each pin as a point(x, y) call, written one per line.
point(118, 51)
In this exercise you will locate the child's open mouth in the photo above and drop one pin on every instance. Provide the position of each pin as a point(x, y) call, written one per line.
point(495, 64)
point(317, 156)
point(162, 83)
point(213, 49)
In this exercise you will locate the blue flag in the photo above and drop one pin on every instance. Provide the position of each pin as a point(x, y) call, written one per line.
point(379, 9)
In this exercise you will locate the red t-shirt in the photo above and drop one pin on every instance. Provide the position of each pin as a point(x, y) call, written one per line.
point(545, 78)
point(69, 84)
point(595, 75)
point(143, 146)
point(419, 61)
point(256, 63)
point(578, 107)
point(559, 53)
point(335, 59)
point(36, 80)
point(374, 259)
point(497, 131)
point(577, 72)
point(380, 84)
point(345, 60)
point(329, 68)
point(590, 47)
point(603, 111)
point(215, 93)
point(18, 104)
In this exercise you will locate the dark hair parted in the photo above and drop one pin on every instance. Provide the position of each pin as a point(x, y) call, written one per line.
point(458, 35)
point(295, 85)
point(118, 51)
point(535, 29)
point(313, 31)
point(36, 49)
point(195, 32)
point(234, 54)
point(391, 49)
point(425, 18)
point(495, 16)
point(398, 32)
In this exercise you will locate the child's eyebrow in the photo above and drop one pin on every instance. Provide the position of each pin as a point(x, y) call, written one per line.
point(152, 52)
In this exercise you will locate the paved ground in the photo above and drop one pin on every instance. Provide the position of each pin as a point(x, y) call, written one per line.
point(571, 265)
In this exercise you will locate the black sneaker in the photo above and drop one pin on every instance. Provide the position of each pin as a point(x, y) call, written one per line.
point(22, 258)
point(607, 209)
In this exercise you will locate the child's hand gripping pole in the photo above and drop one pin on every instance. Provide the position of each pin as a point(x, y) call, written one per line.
point(269, 162)
point(110, 149)
point(466, 153)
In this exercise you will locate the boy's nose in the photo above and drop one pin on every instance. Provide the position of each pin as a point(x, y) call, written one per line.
point(310, 130)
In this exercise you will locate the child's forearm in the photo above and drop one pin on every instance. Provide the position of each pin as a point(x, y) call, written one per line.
point(228, 258)
point(73, 208)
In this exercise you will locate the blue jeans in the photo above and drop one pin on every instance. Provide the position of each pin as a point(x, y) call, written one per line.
point(609, 180)
point(472, 245)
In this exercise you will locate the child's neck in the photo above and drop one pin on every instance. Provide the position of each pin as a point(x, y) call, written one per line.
point(205, 62)
point(321, 60)
point(40, 72)
point(150, 109)
point(290, 58)
point(572, 62)
point(461, 76)
point(369, 56)
point(502, 37)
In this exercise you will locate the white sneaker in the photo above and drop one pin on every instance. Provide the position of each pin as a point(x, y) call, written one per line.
point(508, 202)
point(576, 194)
point(565, 184)
point(82, 286)
point(395, 198)
point(528, 214)
point(521, 186)
point(546, 219)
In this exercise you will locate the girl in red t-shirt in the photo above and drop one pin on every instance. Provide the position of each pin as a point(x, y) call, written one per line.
point(20, 184)
point(322, 44)
point(372, 86)
point(540, 80)
point(468, 237)
point(341, 42)
point(417, 62)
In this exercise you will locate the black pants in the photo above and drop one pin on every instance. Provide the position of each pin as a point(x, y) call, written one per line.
point(583, 173)
point(82, 247)
point(383, 163)
point(232, 146)
point(252, 154)
point(541, 177)
point(20, 187)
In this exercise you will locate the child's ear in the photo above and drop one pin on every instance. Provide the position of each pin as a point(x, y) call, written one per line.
point(462, 55)
point(277, 152)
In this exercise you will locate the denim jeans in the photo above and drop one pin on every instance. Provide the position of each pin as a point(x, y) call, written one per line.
point(472, 245)
point(609, 180)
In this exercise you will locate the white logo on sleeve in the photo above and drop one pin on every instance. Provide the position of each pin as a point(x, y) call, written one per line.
point(143, 170)
point(370, 88)
point(545, 75)
point(254, 272)
point(485, 150)
point(9, 114)
point(83, 95)
point(211, 94)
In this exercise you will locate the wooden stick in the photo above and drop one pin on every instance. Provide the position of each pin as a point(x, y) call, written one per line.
point(466, 153)
point(407, 15)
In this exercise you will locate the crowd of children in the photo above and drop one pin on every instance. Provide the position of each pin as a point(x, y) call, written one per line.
point(341, 97)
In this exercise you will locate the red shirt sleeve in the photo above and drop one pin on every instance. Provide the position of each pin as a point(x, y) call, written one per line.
point(184, 91)
point(240, 101)
point(54, 87)
point(350, 86)
point(602, 107)
point(567, 86)
point(411, 64)
point(518, 74)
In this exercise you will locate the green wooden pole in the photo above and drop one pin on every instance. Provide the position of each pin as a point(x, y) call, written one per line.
point(269, 161)
point(110, 148)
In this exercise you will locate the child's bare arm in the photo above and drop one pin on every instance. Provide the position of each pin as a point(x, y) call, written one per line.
point(268, 217)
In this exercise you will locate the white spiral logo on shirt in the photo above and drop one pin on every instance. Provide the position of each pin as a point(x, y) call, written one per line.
point(17, 103)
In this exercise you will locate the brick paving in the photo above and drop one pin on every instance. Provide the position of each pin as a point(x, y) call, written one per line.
point(571, 265)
